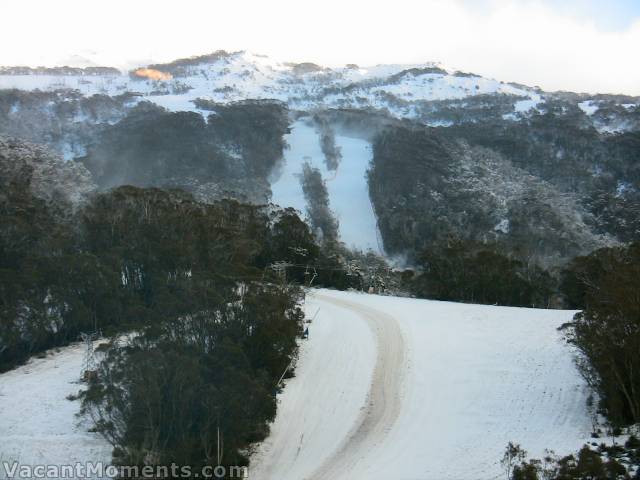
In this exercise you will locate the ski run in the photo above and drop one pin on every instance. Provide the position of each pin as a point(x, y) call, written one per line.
point(384, 387)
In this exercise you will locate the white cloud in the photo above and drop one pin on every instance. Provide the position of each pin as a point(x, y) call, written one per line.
point(511, 40)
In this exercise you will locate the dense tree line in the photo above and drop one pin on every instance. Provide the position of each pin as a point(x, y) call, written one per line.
point(132, 256)
point(35, 244)
point(606, 284)
point(213, 338)
point(111, 265)
point(233, 151)
point(202, 327)
point(213, 332)
point(547, 188)
point(198, 389)
point(464, 271)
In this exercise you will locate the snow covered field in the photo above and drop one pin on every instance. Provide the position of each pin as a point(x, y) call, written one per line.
point(38, 425)
point(347, 186)
point(385, 388)
point(414, 389)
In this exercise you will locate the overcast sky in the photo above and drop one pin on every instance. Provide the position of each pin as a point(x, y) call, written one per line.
point(580, 45)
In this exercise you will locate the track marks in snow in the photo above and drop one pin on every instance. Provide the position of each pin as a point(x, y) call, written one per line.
point(385, 388)
point(321, 405)
point(423, 390)
point(383, 403)
point(38, 425)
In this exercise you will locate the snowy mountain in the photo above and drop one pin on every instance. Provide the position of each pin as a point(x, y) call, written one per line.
point(221, 77)
point(479, 190)
point(226, 77)
point(494, 149)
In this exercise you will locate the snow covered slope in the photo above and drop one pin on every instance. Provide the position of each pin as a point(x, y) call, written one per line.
point(76, 112)
point(227, 77)
point(38, 425)
point(347, 185)
point(385, 388)
point(414, 389)
point(423, 92)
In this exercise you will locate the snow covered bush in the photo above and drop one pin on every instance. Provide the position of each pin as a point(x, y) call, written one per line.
point(200, 389)
point(607, 332)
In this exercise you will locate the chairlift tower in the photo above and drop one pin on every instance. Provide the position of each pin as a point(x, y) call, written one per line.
point(280, 269)
point(89, 362)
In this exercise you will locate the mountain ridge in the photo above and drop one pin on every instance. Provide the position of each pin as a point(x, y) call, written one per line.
point(500, 163)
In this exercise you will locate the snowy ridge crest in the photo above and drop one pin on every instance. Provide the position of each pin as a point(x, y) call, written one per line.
point(223, 77)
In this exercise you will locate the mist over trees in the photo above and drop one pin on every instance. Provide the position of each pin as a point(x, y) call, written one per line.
point(201, 330)
point(322, 220)
point(63, 119)
point(332, 153)
point(230, 154)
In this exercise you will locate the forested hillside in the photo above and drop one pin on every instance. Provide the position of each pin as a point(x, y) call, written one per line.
point(201, 327)
point(542, 189)
point(537, 176)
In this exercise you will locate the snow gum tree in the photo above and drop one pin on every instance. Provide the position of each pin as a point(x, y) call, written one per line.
point(607, 332)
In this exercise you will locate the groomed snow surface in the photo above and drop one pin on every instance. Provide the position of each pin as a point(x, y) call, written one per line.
point(415, 389)
point(38, 425)
point(347, 186)
point(385, 388)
